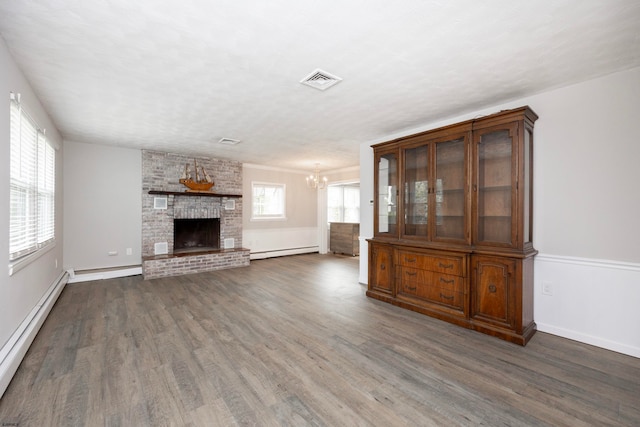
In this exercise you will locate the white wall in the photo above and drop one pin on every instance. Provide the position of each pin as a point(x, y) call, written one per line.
point(305, 228)
point(366, 208)
point(343, 176)
point(22, 295)
point(298, 233)
point(586, 170)
point(586, 204)
point(103, 206)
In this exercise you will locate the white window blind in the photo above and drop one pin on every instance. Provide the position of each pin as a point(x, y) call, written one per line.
point(32, 186)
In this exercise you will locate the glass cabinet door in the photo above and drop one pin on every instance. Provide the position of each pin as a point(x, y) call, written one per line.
point(450, 190)
point(416, 191)
point(495, 186)
point(387, 188)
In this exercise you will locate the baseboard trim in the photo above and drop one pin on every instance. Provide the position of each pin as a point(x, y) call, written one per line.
point(589, 339)
point(583, 287)
point(89, 275)
point(283, 252)
point(13, 351)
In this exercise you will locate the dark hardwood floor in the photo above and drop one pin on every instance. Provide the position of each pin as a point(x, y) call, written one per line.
point(294, 341)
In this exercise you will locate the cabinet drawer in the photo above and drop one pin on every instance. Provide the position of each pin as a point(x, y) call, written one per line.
point(414, 282)
point(414, 275)
point(433, 287)
point(446, 297)
point(448, 282)
point(442, 264)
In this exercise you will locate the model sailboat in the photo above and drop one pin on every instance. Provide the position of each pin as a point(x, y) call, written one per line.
point(202, 181)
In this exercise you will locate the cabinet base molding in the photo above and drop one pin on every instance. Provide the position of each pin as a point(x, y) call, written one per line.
point(521, 339)
point(449, 317)
point(460, 319)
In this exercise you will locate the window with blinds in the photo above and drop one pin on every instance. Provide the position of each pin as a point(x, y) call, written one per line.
point(32, 186)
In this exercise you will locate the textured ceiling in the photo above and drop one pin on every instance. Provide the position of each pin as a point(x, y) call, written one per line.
point(179, 75)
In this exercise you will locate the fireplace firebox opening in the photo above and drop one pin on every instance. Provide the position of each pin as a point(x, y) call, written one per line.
point(194, 235)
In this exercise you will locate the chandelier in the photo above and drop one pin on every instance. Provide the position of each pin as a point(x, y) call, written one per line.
point(314, 181)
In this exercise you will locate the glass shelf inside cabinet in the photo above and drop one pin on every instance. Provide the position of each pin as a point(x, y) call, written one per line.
point(495, 187)
point(450, 189)
point(416, 191)
point(387, 193)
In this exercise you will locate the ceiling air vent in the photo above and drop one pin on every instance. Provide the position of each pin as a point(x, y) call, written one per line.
point(320, 80)
point(229, 141)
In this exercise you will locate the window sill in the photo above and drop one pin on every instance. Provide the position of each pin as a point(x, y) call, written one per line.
point(21, 263)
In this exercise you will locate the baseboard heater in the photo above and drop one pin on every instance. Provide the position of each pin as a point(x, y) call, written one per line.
point(14, 350)
point(102, 274)
point(283, 252)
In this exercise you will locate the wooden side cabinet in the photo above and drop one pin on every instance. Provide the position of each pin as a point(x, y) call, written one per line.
point(344, 238)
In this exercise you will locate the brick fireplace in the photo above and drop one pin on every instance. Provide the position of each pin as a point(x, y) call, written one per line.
point(169, 204)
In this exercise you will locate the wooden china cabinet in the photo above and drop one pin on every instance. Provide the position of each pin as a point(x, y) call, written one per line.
point(453, 224)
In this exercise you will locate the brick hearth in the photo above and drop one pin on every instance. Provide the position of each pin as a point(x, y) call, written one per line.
point(178, 264)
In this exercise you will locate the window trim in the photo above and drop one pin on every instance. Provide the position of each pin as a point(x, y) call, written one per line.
point(25, 260)
point(269, 217)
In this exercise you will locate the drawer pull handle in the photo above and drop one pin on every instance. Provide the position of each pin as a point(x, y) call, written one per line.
point(382, 267)
point(492, 288)
point(411, 273)
point(443, 280)
point(446, 297)
point(410, 288)
point(410, 259)
point(441, 265)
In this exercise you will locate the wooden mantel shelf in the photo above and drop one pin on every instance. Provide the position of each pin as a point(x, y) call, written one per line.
point(193, 194)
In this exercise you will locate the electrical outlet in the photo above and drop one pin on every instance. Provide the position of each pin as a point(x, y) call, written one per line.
point(112, 253)
point(129, 251)
point(547, 287)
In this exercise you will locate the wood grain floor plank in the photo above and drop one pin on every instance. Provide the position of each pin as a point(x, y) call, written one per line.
point(222, 363)
point(294, 341)
point(214, 413)
point(163, 405)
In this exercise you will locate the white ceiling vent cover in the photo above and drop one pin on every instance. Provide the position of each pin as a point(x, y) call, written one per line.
point(229, 141)
point(320, 80)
